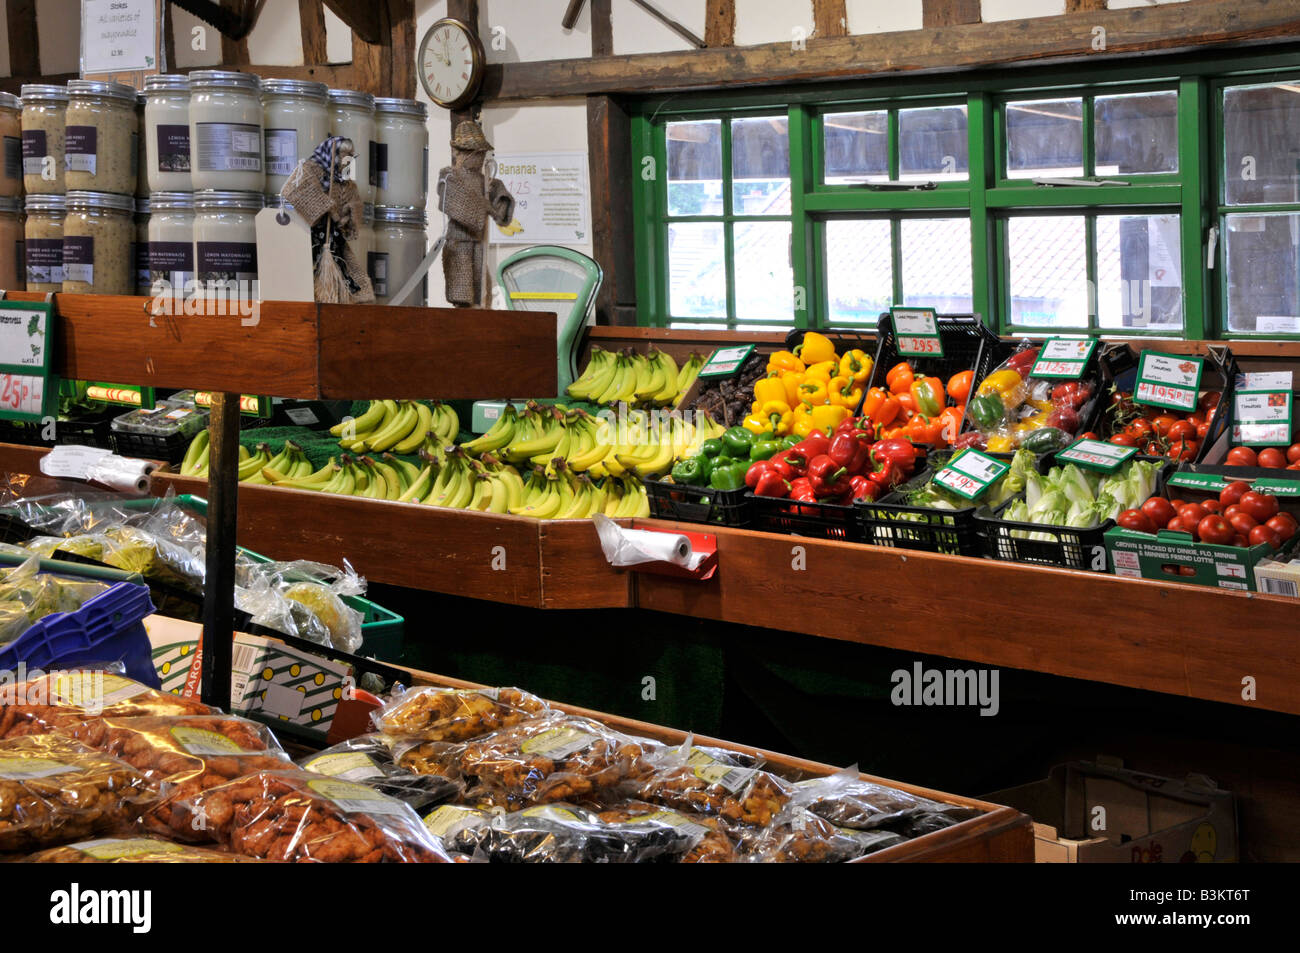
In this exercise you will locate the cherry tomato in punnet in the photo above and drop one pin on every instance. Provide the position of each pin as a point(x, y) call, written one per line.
point(1192, 512)
point(1242, 522)
point(1215, 529)
point(1272, 457)
point(1293, 453)
point(1284, 524)
point(1159, 510)
point(1242, 457)
point(1262, 534)
point(1136, 520)
point(1232, 492)
point(1261, 506)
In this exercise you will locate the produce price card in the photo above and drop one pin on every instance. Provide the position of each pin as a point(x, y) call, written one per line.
point(1096, 455)
point(916, 332)
point(1064, 358)
point(725, 361)
point(28, 391)
point(1169, 380)
point(971, 474)
point(1261, 409)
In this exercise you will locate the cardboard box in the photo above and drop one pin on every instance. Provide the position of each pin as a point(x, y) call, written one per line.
point(1175, 557)
point(1088, 813)
point(1278, 578)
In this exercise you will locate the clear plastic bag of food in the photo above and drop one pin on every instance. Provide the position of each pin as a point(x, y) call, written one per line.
point(798, 836)
point(694, 839)
point(54, 790)
point(455, 714)
point(186, 755)
point(1009, 408)
point(556, 758)
point(135, 850)
point(716, 782)
point(28, 595)
point(368, 760)
point(301, 817)
point(845, 799)
point(434, 758)
point(62, 699)
point(309, 589)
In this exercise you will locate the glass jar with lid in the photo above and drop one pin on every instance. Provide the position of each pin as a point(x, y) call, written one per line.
point(44, 109)
point(100, 149)
point(167, 132)
point(11, 134)
point(226, 131)
point(171, 243)
point(296, 120)
point(43, 242)
point(12, 277)
point(225, 242)
point(352, 115)
point(399, 247)
point(364, 242)
point(98, 241)
point(400, 164)
point(142, 150)
point(140, 246)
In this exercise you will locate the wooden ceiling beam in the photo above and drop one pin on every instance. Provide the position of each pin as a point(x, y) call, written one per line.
point(830, 18)
point(24, 46)
point(720, 23)
point(955, 12)
point(364, 17)
point(311, 18)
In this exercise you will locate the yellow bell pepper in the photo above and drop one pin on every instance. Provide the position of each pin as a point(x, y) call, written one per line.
point(813, 392)
point(815, 349)
point(784, 361)
point(1000, 444)
point(856, 366)
point(844, 393)
point(780, 414)
point(999, 382)
point(791, 380)
point(802, 424)
point(829, 417)
point(769, 388)
point(822, 372)
point(757, 425)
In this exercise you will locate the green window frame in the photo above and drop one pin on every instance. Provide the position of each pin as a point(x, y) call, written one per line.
point(989, 197)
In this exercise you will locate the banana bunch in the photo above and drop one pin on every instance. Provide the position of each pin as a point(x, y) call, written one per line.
point(640, 380)
point(399, 426)
point(650, 448)
point(563, 494)
point(198, 454)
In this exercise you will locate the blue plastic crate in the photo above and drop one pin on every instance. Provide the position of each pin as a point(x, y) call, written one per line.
point(107, 628)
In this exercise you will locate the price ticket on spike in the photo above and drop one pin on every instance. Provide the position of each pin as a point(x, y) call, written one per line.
point(916, 332)
point(1096, 455)
point(1168, 380)
point(28, 389)
point(971, 473)
point(1064, 358)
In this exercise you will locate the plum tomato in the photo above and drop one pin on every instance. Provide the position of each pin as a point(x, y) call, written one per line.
point(1272, 457)
point(1215, 529)
point(1182, 430)
point(1231, 493)
point(1159, 510)
point(1242, 457)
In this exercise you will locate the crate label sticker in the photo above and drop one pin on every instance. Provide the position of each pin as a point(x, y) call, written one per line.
point(29, 769)
point(94, 689)
point(1063, 358)
point(1271, 586)
point(356, 798)
point(1127, 560)
point(200, 741)
point(348, 765)
point(113, 848)
point(1225, 584)
point(1169, 380)
point(1262, 409)
point(1276, 487)
point(1097, 455)
point(302, 416)
point(549, 812)
point(971, 474)
point(1235, 570)
point(708, 768)
point(1198, 481)
point(916, 332)
point(450, 819)
point(558, 743)
point(726, 361)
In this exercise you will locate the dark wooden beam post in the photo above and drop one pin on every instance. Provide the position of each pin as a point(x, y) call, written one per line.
point(952, 12)
point(234, 52)
point(219, 581)
point(602, 28)
point(24, 44)
point(311, 17)
point(1084, 6)
point(720, 23)
point(831, 19)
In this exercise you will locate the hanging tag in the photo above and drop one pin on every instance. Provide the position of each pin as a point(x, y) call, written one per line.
point(284, 266)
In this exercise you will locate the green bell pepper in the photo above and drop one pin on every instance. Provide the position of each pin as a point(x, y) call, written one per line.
point(711, 447)
point(788, 443)
point(737, 442)
point(731, 477)
point(693, 471)
point(1045, 440)
point(987, 411)
point(763, 448)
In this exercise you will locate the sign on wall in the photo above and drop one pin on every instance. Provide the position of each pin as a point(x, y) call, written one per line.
point(552, 195)
point(120, 36)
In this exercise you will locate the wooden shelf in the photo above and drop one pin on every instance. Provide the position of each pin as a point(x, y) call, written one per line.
point(304, 350)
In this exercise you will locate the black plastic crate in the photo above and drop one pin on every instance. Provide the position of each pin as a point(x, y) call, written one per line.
point(773, 514)
point(844, 339)
point(168, 449)
point(87, 430)
point(694, 504)
point(27, 433)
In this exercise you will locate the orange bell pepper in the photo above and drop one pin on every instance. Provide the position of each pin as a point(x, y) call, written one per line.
point(899, 379)
point(959, 385)
point(873, 401)
point(951, 418)
point(928, 394)
point(907, 401)
point(923, 429)
point(887, 413)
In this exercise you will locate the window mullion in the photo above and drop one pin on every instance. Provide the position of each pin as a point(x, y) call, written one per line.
point(728, 223)
point(1194, 148)
point(1089, 137)
point(1090, 264)
point(981, 159)
point(803, 173)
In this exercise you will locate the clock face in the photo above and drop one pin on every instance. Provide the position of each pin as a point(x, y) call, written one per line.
point(450, 63)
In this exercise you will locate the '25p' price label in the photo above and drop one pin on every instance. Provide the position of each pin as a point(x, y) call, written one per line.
point(22, 393)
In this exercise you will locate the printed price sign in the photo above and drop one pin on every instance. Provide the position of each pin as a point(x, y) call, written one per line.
point(1064, 358)
point(28, 390)
point(1261, 409)
point(916, 332)
point(725, 361)
point(1168, 380)
point(1096, 455)
point(970, 474)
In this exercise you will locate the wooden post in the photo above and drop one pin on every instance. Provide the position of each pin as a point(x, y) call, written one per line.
point(219, 582)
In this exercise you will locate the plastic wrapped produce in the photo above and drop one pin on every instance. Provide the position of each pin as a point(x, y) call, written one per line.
point(301, 817)
point(28, 595)
point(801, 837)
point(459, 827)
point(449, 714)
point(134, 850)
point(718, 783)
point(702, 838)
point(368, 760)
point(846, 800)
point(1010, 409)
point(69, 698)
point(54, 790)
point(437, 758)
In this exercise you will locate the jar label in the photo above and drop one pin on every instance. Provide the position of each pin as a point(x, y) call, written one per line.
point(79, 144)
point(79, 258)
point(379, 164)
point(173, 148)
point(171, 263)
point(34, 151)
point(377, 269)
point(44, 261)
point(13, 157)
point(281, 151)
point(228, 147)
point(227, 261)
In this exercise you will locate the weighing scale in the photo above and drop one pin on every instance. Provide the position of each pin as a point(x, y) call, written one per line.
point(547, 278)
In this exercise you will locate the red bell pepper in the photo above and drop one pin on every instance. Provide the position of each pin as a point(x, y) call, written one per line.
point(851, 450)
point(756, 471)
point(801, 491)
point(802, 453)
point(1022, 361)
point(779, 464)
point(885, 477)
point(863, 488)
point(828, 478)
point(897, 450)
point(771, 483)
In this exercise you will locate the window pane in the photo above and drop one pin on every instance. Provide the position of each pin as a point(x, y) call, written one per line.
point(939, 281)
point(1263, 268)
point(1049, 275)
point(760, 166)
point(1139, 272)
point(1262, 154)
point(859, 270)
point(697, 277)
point(1136, 133)
point(764, 279)
point(857, 147)
point(695, 167)
point(1044, 138)
point(932, 144)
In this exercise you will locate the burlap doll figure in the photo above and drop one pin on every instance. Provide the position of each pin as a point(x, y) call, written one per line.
point(468, 200)
point(331, 205)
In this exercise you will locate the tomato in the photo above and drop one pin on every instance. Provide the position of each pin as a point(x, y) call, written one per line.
point(1293, 453)
point(1272, 457)
point(1088, 435)
point(1262, 534)
point(1232, 492)
point(1196, 419)
point(1136, 520)
point(1240, 541)
point(1242, 457)
point(1139, 428)
point(1261, 506)
point(1163, 424)
point(1159, 510)
point(1202, 430)
point(1208, 401)
point(1124, 440)
point(1192, 512)
point(1182, 526)
point(1177, 504)
point(1242, 522)
point(1231, 510)
point(1184, 449)
point(1215, 529)
point(1182, 430)
point(1154, 449)
point(1213, 505)
point(1284, 524)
